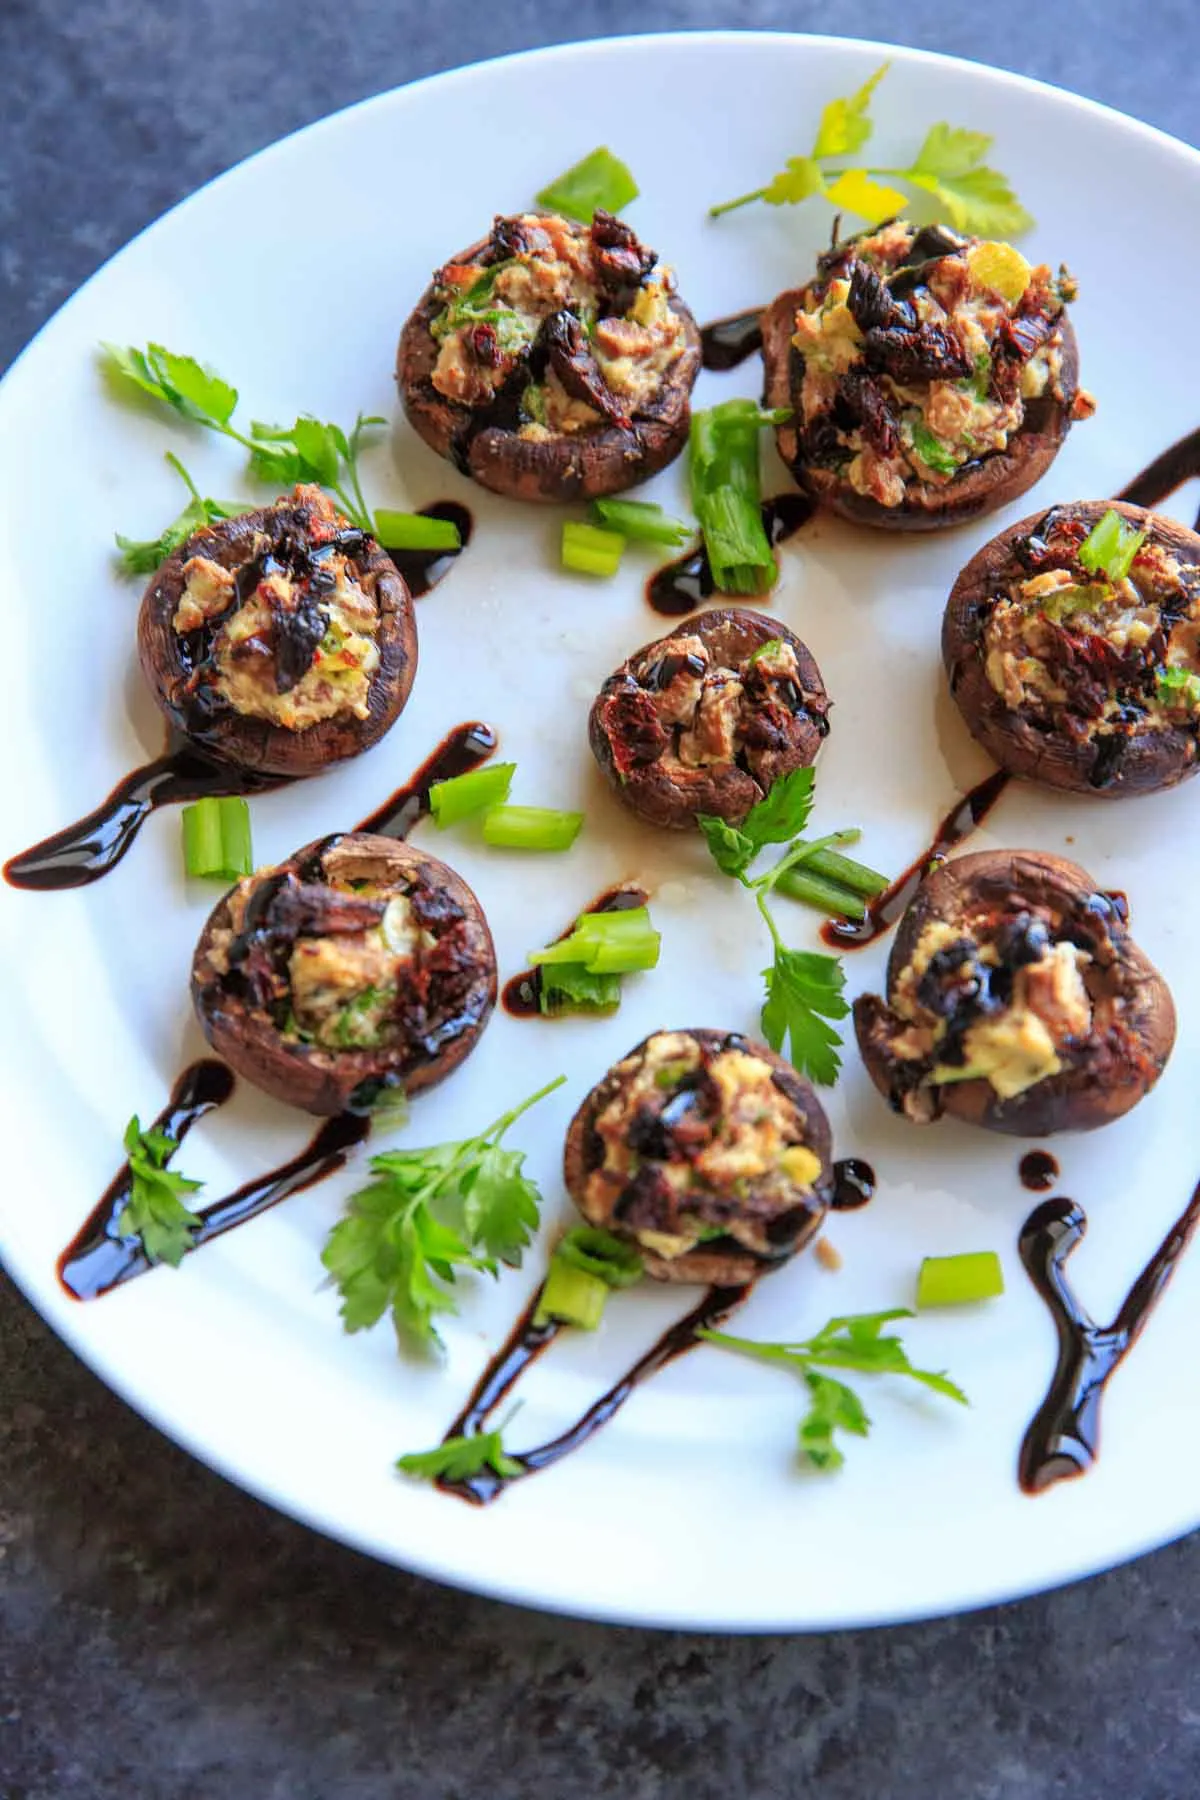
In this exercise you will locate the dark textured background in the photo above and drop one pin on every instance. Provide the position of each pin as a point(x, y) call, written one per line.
point(162, 1637)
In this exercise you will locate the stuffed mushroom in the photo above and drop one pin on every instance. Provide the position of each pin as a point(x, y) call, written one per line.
point(358, 965)
point(1072, 646)
point(280, 640)
point(932, 377)
point(1016, 1000)
point(706, 719)
point(706, 1151)
point(552, 360)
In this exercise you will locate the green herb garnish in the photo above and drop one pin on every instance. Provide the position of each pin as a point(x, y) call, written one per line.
point(464, 795)
point(859, 1343)
point(933, 451)
point(216, 838)
point(640, 521)
point(959, 1280)
point(428, 1214)
point(1110, 546)
point(727, 494)
point(530, 828)
point(461, 1457)
point(582, 970)
point(587, 1263)
point(1177, 686)
point(590, 549)
point(141, 556)
point(154, 1211)
point(949, 167)
point(415, 531)
point(600, 181)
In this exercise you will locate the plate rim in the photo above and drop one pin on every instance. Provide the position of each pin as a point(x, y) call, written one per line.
point(417, 1559)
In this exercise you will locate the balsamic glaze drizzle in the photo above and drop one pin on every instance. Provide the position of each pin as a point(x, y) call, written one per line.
point(681, 586)
point(421, 570)
point(521, 994)
point(882, 912)
point(526, 1341)
point(1167, 472)
point(1038, 1171)
point(1064, 1437)
point(727, 343)
point(83, 852)
point(460, 751)
point(853, 1184)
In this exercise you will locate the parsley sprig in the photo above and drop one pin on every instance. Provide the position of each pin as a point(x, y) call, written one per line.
point(429, 1214)
point(143, 556)
point(155, 1211)
point(857, 1342)
point(279, 455)
point(949, 167)
point(803, 987)
point(458, 1458)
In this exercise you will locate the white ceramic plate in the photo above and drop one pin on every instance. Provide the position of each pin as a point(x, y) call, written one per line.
point(292, 275)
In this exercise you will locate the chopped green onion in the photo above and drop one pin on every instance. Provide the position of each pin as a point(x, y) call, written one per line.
point(606, 943)
point(571, 1297)
point(727, 494)
point(1110, 546)
point(590, 550)
point(415, 531)
point(216, 838)
point(600, 180)
point(933, 451)
point(828, 897)
point(641, 521)
point(463, 795)
point(530, 828)
point(1177, 686)
point(770, 648)
point(600, 1253)
point(567, 987)
point(959, 1280)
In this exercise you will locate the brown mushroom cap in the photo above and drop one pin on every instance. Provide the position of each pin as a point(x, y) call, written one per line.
point(1150, 757)
point(256, 743)
point(723, 1261)
point(1102, 1077)
point(581, 465)
point(672, 796)
point(440, 1028)
point(981, 487)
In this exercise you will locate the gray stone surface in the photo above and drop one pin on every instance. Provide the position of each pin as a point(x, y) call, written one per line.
point(162, 1636)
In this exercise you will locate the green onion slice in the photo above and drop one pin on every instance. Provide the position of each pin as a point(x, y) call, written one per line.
point(959, 1280)
point(590, 550)
point(641, 521)
point(530, 828)
point(1110, 546)
point(600, 1253)
point(727, 494)
point(569, 987)
point(571, 1297)
point(606, 943)
point(600, 180)
point(463, 795)
point(415, 531)
point(216, 838)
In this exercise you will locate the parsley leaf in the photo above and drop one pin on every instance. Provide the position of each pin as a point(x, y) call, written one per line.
point(428, 1214)
point(857, 1342)
point(180, 382)
point(731, 849)
point(804, 989)
point(143, 556)
point(949, 166)
point(461, 1457)
point(844, 126)
point(155, 1211)
point(783, 811)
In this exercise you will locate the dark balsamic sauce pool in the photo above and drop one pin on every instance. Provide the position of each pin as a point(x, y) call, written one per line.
point(525, 1342)
point(1038, 1171)
point(727, 343)
point(423, 569)
point(883, 912)
point(681, 586)
point(83, 852)
point(1064, 1437)
point(521, 994)
point(853, 1184)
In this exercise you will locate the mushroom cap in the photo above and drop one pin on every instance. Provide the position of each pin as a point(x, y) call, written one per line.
point(323, 1081)
point(579, 465)
point(256, 743)
point(724, 790)
point(1151, 759)
point(723, 1262)
point(1102, 1078)
point(981, 487)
